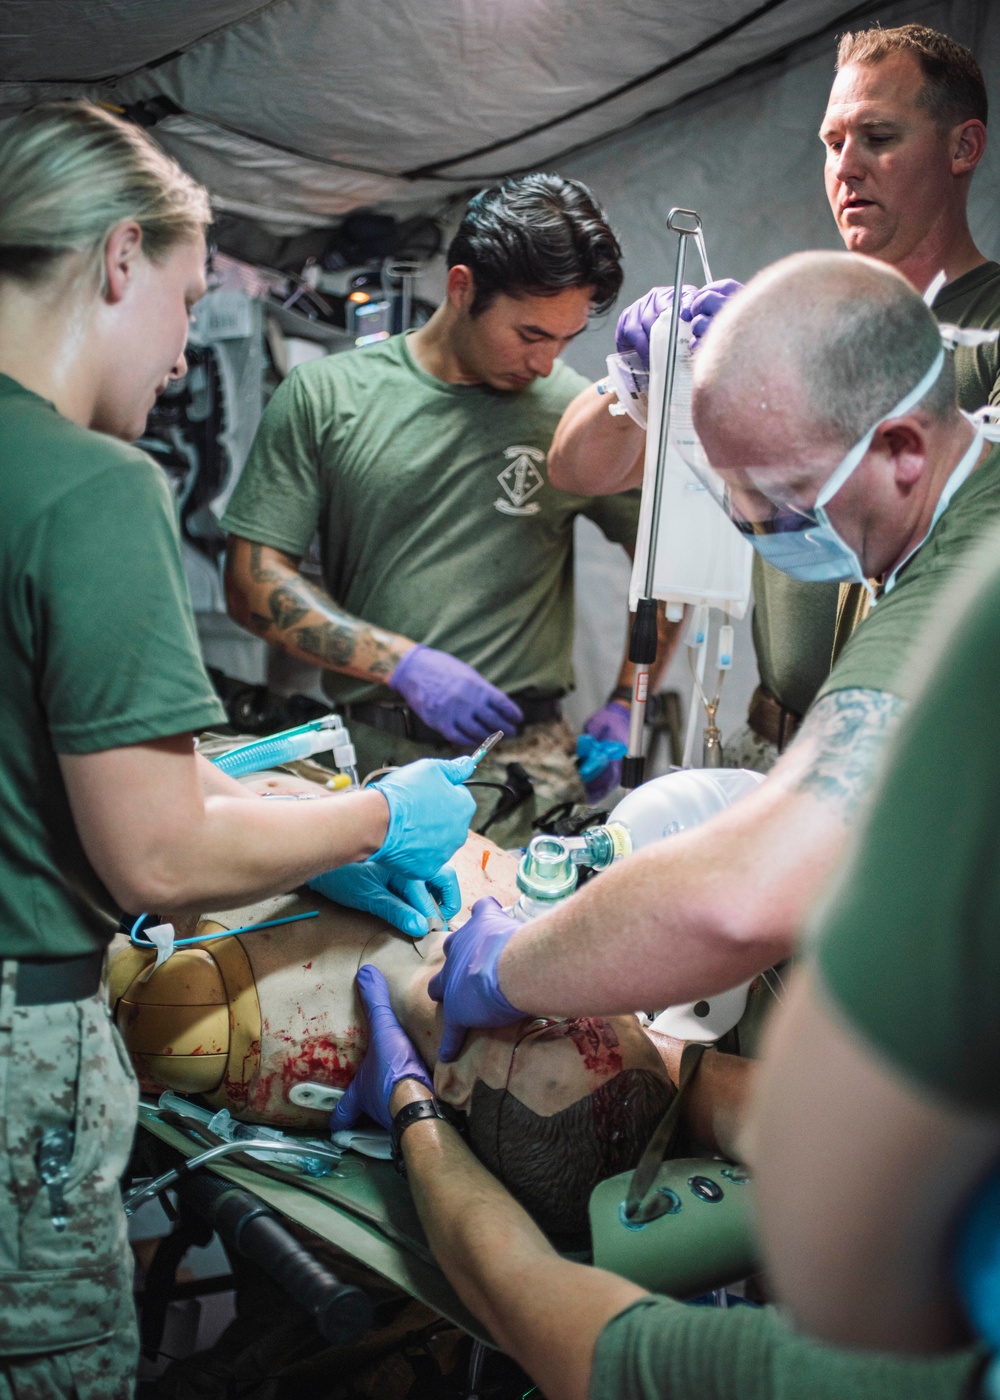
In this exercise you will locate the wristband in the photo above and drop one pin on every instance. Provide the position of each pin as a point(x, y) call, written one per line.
point(622, 693)
point(411, 1113)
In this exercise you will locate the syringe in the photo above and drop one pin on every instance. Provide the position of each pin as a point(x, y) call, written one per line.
point(484, 748)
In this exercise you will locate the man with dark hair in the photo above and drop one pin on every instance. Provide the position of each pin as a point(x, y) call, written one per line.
point(446, 608)
point(904, 129)
point(537, 232)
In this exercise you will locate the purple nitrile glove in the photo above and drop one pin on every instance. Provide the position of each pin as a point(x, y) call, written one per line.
point(467, 984)
point(452, 697)
point(408, 905)
point(706, 302)
point(637, 320)
point(389, 1058)
point(610, 723)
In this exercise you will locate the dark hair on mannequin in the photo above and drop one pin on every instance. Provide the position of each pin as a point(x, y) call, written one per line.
point(551, 1164)
point(538, 235)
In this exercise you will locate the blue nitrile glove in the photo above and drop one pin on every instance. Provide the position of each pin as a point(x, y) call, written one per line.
point(705, 303)
point(406, 904)
point(636, 321)
point(389, 1058)
point(601, 748)
point(467, 984)
point(452, 697)
point(429, 815)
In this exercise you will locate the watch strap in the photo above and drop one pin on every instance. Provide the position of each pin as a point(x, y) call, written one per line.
point(411, 1113)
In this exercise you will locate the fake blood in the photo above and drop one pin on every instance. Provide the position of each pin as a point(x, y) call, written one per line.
point(239, 1089)
point(596, 1041)
point(320, 1060)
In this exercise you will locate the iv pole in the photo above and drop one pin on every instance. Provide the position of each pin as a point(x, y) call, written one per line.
point(686, 223)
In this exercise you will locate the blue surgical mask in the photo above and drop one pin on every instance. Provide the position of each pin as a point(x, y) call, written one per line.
point(810, 548)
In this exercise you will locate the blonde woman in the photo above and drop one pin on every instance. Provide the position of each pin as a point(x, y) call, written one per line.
point(103, 803)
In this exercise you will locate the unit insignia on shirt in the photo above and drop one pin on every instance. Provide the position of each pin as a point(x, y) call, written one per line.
point(520, 479)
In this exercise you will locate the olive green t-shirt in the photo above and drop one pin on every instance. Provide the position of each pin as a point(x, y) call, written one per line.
point(436, 518)
point(658, 1349)
point(794, 623)
point(884, 651)
point(926, 874)
point(99, 651)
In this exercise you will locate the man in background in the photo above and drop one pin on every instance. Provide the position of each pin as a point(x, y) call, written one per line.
point(446, 608)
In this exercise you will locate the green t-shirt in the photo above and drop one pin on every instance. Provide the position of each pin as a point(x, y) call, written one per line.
point(883, 652)
point(99, 649)
point(659, 1349)
point(436, 519)
point(974, 300)
point(795, 624)
point(926, 874)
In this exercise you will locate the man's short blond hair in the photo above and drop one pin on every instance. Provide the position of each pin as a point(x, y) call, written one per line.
point(953, 89)
point(70, 172)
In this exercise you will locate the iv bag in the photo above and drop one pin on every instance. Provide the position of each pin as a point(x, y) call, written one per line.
point(700, 555)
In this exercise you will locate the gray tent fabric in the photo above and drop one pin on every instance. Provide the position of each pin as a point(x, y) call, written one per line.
point(296, 111)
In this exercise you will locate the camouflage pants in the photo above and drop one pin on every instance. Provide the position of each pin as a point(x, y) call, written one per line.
point(546, 751)
point(746, 749)
point(67, 1323)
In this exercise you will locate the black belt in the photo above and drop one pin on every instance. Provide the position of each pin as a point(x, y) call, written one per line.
point(45, 981)
point(770, 720)
point(404, 723)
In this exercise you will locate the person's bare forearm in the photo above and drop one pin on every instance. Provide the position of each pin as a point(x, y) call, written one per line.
point(266, 594)
point(205, 852)
point(215, 783)
point(594, 453)
point(702, 911)
point(837, 1133)
point(543, 1310)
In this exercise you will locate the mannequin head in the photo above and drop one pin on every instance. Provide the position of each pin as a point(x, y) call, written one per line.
point(554, 1107)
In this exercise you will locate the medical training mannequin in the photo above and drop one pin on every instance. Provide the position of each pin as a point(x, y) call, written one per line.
point(552, 1107)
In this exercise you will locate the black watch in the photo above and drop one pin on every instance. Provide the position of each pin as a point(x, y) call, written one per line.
point(411, 1113)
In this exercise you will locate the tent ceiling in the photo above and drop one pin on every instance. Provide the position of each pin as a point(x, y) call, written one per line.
point(294, 112)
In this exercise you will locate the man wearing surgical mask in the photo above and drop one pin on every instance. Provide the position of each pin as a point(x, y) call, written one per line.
point(903, 134)
point(833, 439)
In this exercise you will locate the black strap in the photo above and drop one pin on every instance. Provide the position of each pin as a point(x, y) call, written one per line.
point(409, 1114)
point(46, 981)
point(638, 1209)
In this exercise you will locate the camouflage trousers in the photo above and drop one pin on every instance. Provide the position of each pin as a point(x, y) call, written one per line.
point(746, 749)
point(546, 751)
point(67, 1321)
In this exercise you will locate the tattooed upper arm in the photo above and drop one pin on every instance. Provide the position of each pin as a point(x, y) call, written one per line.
point(848, 731)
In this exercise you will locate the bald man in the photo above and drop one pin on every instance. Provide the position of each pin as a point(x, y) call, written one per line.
point(826, 406)
point(903, 133)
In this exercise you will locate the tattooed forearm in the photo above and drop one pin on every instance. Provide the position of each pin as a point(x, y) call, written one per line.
point(267, 594)
point(848, 731)
point(329, 641)
point(286, 607)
